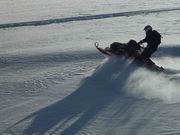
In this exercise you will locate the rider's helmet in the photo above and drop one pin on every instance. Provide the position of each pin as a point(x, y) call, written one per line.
point(148, 28)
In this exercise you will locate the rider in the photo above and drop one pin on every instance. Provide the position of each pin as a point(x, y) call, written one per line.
point(153, 39)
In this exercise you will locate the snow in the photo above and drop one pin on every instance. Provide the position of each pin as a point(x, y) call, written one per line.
point(54, 82)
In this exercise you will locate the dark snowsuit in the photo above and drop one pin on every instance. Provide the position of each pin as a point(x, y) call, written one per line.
point(153, 39)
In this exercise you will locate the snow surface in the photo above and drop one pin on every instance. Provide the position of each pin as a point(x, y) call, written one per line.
point(54, 82)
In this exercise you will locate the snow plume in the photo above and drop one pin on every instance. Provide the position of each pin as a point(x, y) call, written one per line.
point(151, 85)
point(126, 76)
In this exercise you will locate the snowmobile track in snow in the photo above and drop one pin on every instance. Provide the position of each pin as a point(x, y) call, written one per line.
point(84, 18)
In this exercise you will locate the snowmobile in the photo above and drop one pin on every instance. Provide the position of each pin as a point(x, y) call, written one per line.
point(130, 50)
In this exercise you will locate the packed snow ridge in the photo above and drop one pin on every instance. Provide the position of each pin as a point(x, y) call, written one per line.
point(84, 18)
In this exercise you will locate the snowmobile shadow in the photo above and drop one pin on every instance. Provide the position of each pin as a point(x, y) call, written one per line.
point(70, 115)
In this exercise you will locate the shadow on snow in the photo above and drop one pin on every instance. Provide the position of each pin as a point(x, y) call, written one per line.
point(70, 115)
point(172, 51)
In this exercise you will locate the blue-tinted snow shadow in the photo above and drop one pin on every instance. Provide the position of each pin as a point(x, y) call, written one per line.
point(170, 51)
point(70, 115)
point(50, 58)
